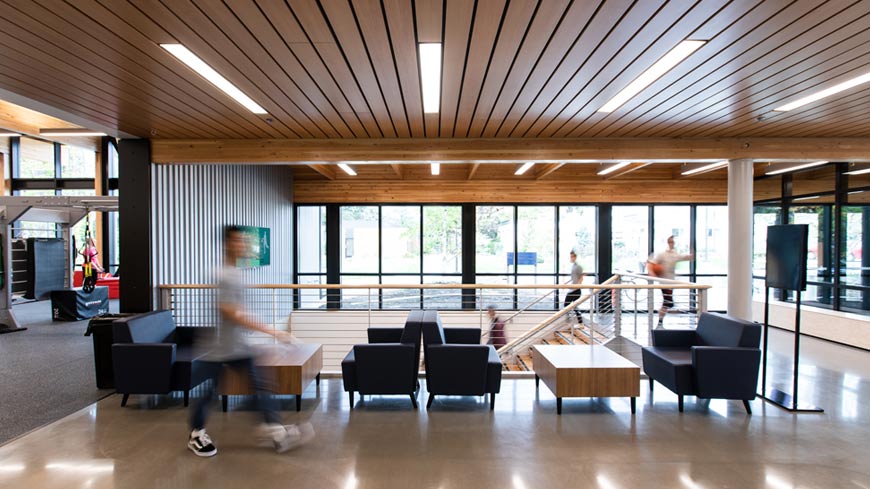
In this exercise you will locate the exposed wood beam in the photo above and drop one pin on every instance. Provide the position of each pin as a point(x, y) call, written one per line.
point(259, 151)
point(624, 171)
point(548, 169)
point(473, 170)
point(397, 168)
point(325, 170)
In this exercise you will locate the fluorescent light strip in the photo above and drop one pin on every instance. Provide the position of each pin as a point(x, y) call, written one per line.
point(682, 51)
point(436, 168)
point(858, 172)
point(524, 168)
point(812, 197)
point(705, 168)
point(859, 80)
point(430, 76)
point(347, 169)
point(613, 168)
point(196, 64)
point(795, 168)
point(69, 132)
point(856, 192)
point(9, 134)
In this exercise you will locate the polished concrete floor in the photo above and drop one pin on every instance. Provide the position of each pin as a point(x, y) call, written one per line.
point(459, 443)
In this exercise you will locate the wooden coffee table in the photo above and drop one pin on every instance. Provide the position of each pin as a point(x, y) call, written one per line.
point(585, 371)
point(290, 368)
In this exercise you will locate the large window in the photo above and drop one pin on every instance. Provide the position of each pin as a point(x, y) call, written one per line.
point(630, 238)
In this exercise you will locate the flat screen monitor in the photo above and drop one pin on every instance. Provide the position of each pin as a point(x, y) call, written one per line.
point(787, 256)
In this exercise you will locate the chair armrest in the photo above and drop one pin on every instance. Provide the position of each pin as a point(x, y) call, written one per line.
point(726, 372)
point(384, 335)
point(457, 369)
point(673, 337)
point(462, 336)
point(348, 372)
point(143, 368)
point(191, 335)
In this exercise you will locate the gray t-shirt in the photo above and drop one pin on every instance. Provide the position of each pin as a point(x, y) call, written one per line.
point(576, 273)
point(229, 340)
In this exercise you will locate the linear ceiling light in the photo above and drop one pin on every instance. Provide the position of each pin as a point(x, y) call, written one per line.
point(70, 132)
point(196, 64)
point(682, 51)
point(430, 76)
point(807, 198)
point(858, 172)
point(613, 168)
point(347, 169)
point(7, 134)
point(796, 167)
point(825, 93)
point(706, 168)
point(524, 168)
point(436, 168)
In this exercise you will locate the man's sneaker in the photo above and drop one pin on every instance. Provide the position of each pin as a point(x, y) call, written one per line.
point(295, 436)
point(200, 444)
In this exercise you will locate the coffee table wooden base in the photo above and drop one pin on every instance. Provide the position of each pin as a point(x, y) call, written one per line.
point(585, 371)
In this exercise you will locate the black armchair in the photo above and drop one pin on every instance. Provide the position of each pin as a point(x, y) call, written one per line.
point(718, 360)
point(388, 364)
point(456, 363)
point(153, 356)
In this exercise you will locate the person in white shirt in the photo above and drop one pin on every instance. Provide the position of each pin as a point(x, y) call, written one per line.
point(577, 279)
point(666, 262)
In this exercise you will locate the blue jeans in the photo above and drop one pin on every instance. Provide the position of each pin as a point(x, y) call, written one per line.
point(263, 401)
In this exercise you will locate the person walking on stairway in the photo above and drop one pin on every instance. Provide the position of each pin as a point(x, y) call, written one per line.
point(577, 279)
point(664, 266)
point(228, 348)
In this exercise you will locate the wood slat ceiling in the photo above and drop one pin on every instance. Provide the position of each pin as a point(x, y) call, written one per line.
point(518, 68)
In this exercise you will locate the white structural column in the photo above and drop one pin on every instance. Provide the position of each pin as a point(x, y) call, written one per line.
point(740, 238)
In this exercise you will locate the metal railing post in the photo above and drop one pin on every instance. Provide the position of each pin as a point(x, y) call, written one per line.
point(616, 299)
point(702, 301)
point(370, 306)
point(650, 305)
point(165, 299)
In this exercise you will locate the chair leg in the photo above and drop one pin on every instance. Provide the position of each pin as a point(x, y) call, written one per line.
point(429, 402)
point(680, 402)
point(492, 401)
point(225, 403)
point(186, 398)
point(350, 397)
point(747, 406)
point(413, 400)
point(124, 400)
point(651, 382)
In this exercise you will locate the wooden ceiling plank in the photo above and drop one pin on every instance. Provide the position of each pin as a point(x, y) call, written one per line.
point(370, 16)
point(804, 73)
point(547, 170)
point(343, 24)
point(487, 21)
point(472, 170)
point(625, 171)
point(428, 21)
point(212, 45)
point(287, 70)
point(400, 19)
point(615, 63)
point(580, 99)
point(514, 29)
point(501, 149)
point(325, 170)
point(751, 41)
point(144, 61)
point(132, 62)
point(457, 27)
point(238, 46)
point(397, 169)
point(559, 69)
point(554, 29)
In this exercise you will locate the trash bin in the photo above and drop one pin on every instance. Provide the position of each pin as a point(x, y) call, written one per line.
point(100, 328)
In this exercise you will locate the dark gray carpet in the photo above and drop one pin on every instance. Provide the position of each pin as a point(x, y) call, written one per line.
point(46, 372)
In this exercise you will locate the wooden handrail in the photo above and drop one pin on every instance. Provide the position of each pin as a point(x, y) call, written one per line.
point(676, 285)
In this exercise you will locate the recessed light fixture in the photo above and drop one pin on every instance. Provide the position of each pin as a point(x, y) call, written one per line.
point(436, 168)
point(7, 134)
point(858, 80)
point(706, 168)
point(430, 76)
point(347, 169)
point(524, 168)
point(70, 132)
point(682, 51)
point(198, 65)
point(613, 168)
point(796, 167)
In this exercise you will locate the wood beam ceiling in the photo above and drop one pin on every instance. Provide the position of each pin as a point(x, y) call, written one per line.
point(547, 169)
point(325, 170)
point(464, 150)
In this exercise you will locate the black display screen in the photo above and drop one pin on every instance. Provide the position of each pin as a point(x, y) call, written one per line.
point(787, 256)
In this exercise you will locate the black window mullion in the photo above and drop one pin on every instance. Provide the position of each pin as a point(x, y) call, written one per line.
point(421, 245)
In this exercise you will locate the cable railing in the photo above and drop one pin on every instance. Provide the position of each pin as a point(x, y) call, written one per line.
point(619, 305)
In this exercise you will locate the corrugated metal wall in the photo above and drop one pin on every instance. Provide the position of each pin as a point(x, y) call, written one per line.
point(192, 204)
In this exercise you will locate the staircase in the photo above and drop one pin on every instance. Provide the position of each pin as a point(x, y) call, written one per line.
point(563, 336)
